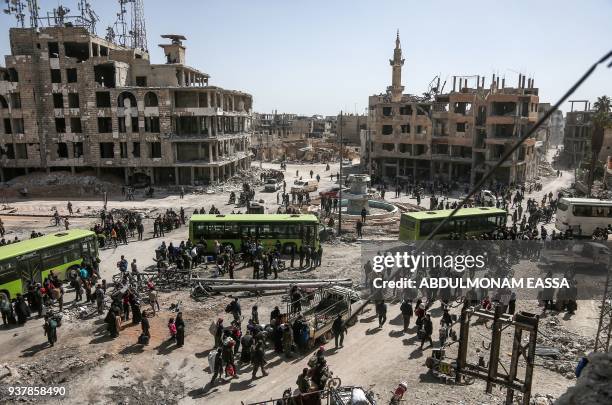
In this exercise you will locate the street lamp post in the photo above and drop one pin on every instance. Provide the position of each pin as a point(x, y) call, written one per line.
point(340, 182)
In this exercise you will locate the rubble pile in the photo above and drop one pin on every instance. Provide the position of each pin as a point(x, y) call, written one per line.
point(545, 169)
point(162, 389)
point(594, 385)
point(88, 182)
point(569, 347)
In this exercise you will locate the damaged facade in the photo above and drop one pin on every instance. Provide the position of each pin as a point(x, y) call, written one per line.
point(70, 100)
point(454, 136)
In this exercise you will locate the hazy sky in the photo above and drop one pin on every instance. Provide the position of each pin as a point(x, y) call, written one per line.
point(313, 56)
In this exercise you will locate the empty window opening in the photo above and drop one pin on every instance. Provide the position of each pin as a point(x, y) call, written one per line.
point(73, 100)
point(3, 102)
point(186, 99)
point(152, 124)
point(60, 125)
point(75, 125)
point(123, 150)
point(406, 110)
point(18, 126)
point(121, 125)
point(8, 150)
point(500, 108)
point(155, 150)
point(141, 81)
point(95, 49)
point(105, 124)
point(388, 147)
point(21, 151)
point(126, 99)
point(203, 99)
point(134, 124)
point(423, 109)
point(56, 76)
point(150, 99)
point(461, 127)
point(62, 150)
point(105, 75)
point(53, 49)
point(71, 75)
point(58, 100)
point(15, 100)
point(77, 149)
point(404, 148)
point(8, 128)
point(462, 108)
point(107, 150)
point(103, 99)
point(103, 51)
point(13, 76)
point(78, 50)
point(136, 149)
point(405, 129)
point(387, 129)
point(387, 111)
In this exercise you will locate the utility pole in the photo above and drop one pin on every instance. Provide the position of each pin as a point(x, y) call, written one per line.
point(340, 181)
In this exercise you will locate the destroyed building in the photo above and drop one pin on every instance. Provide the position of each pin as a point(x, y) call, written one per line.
point(458, 135)
point(70, 100)
point(577, 133)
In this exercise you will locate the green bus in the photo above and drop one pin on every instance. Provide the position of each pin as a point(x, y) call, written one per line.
point(290, 229)
point(471, 221)
point(33, 259)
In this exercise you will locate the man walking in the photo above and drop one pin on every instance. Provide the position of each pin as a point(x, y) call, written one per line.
point(427, 331)
point(339, 329)
point(381, 311)
point(259, 359)
point(407, 312)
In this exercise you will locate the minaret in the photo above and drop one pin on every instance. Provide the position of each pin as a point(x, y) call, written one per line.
point(397, 62)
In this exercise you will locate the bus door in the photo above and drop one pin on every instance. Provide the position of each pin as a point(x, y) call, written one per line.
point(30, 268)
point(308, 235)
point(460, 225)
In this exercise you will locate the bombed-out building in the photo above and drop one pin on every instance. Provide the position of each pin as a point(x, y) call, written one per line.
point(457, 135)
point(70, 100)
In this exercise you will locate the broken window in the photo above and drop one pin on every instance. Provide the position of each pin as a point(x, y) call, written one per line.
point(62, 150)
point(186, 125)
point(75, 125)
point(203, 99)
point(135, 124)
point(15, 100)
point(105, 74)
point(103, 51)
point(462, 108)
point(105, 124)
point(121, 125)
point(56, 76)
point(388, 147)
point(461, 127)
point(73, 100)
point(136, 149)
point(404, 148)
point(18, 126)
point(503, 130)
point(406, 110)
point(107, 150)
point(525, 109)
point(186, 99)
point(71, 75)
point(150, 99)
point(77, 149)
point(8, 150)
point(95, 49)
point(155, 150)
point(423, 109)
point(58, 100)
point(123, 151)
point(78, 50)
point(386, 111)
point(53, 49)
point(141, 81)
point(406, 129)
point(103, 99)
point(60, 125)
point(21, 151)
point(126, 99)
point(421, 130)
point(152, 124)
point(387, 129)
point(8, 128)
point(13, 76)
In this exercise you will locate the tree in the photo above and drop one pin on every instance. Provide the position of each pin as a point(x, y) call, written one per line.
point(603, 104)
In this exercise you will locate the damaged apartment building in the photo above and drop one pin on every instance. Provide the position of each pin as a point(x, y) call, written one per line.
point(70, 100)
point(453, 136)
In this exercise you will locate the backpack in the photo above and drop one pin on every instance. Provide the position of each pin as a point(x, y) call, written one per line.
point(143, 339)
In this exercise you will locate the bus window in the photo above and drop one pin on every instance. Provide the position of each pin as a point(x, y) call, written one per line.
point(265, 231)
point(199, 230)
point(8, 272)
point(231, 230)
point(582, 211)
point(428, 226)
point(279, 231)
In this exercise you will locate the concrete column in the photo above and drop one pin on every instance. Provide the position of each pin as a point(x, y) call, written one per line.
point(212, 174)
point(126, 177)
point(2, 179)
point(192, 182)
point(210, 152)
point(72, 170)
point(176, 176)
point(414, 171)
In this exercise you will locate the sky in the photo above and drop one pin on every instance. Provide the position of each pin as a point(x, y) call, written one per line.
point(320, 57)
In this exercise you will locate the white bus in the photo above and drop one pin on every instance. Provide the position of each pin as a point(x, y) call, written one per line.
point(584, 214)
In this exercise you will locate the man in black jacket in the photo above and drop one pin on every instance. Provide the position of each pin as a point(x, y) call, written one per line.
point(427, 331)
point(407, 312)
point(339, 329)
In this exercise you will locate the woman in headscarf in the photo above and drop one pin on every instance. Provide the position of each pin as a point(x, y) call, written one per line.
point(180, 329)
